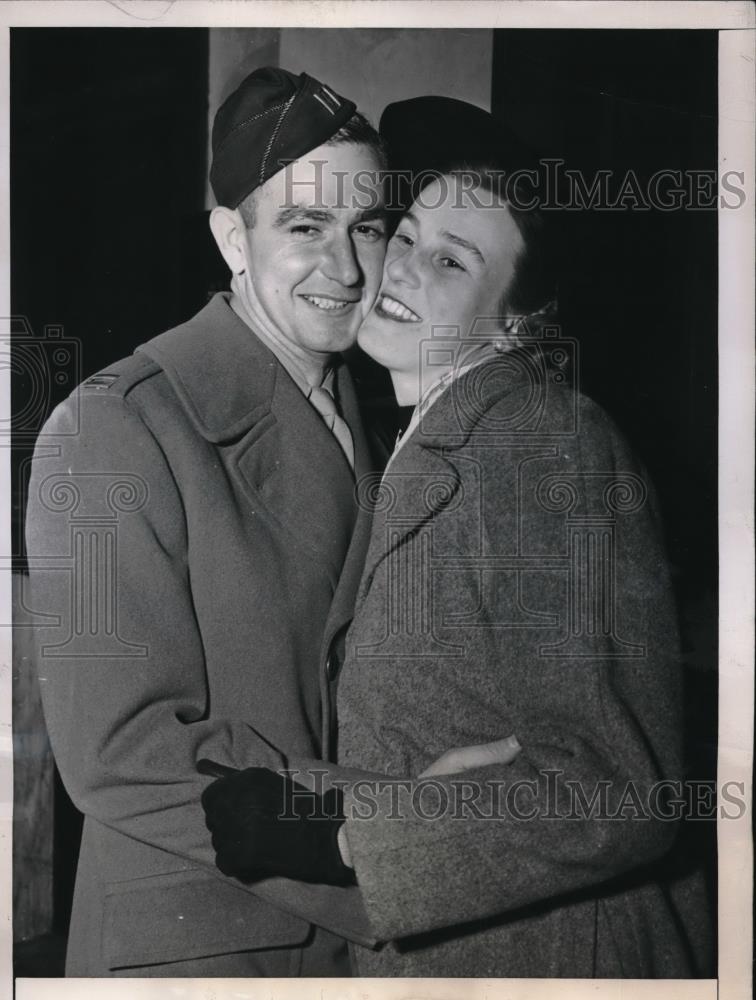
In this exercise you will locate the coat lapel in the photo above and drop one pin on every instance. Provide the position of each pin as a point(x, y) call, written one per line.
point(220, 371)
point(276, 446)
point(300, 472)
point(422, 480)
point(347, 400)
point(342, 608)
point(419, 484)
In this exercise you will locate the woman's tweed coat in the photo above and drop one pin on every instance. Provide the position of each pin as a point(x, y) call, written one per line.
point(515, 583)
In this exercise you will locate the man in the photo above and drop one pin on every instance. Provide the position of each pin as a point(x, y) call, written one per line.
point(190, 529)
point(515, 583)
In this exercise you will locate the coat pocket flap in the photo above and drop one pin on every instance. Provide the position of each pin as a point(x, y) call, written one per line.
point(189, 914)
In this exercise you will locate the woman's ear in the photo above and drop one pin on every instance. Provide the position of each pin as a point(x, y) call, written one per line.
point(508, 336)
point(228, 229)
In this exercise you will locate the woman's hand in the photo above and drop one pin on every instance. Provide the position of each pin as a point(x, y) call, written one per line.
point(463, 758)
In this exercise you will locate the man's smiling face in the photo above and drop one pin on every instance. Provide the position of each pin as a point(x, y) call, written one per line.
point(315, 251)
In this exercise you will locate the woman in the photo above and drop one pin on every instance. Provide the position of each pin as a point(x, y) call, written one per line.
point(515, 584)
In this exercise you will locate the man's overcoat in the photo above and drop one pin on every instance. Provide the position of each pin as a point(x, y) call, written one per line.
point(516, 583)
point(189, 527)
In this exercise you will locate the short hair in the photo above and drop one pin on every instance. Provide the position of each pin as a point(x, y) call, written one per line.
point(357, 131)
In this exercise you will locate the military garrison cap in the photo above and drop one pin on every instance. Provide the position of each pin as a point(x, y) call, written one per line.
point(272, 118)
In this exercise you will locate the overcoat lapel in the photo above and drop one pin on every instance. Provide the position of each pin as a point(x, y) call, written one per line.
point(347, 400)
point(275, 445)
point(422, 480)
point(419, 483)
point(342, 608)
point(309, 488)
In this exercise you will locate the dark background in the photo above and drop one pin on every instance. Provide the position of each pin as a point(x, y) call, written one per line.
point(109, 241)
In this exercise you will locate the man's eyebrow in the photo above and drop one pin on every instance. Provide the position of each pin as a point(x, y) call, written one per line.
point(301, 212)
point(465, 244)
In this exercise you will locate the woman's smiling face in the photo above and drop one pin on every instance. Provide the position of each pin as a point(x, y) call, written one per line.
point(450, 262)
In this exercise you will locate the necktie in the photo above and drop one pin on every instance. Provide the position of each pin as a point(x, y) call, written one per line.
point(325, 404)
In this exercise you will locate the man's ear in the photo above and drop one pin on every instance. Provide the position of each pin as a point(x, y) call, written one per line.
point(228, 229)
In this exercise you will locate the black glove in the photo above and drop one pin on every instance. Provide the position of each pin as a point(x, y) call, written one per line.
point(263, 823)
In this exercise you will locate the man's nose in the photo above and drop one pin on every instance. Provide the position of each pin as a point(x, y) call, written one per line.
point(341, 263)
point(403, 268)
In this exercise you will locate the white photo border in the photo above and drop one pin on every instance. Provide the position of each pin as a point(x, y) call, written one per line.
point(735, 23)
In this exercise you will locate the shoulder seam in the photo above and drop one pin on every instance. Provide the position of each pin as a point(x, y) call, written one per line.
point(147, 368)
point(118, 379)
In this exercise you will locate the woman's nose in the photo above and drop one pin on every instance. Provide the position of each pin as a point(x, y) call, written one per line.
point(402, 267)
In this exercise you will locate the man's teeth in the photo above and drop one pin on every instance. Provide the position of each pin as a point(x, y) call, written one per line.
point(329, 304)
point(394, 308)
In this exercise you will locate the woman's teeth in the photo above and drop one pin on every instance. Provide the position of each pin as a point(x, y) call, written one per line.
point(397, 310)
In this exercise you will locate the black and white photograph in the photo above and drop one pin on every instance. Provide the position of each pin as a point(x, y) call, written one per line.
point(379, 531)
